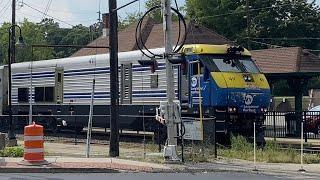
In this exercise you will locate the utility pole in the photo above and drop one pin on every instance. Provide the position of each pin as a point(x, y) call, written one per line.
point(248, 24)
point(11, 59)
point(169, 115)
point(114, 85)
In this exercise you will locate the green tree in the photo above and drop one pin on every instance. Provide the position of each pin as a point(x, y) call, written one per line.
point(77, 35)
point(156, 15)
point(269, 19)
point(131, 18)
point(32, 34)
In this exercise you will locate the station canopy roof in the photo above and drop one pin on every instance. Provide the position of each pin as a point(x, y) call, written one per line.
point(288, 62)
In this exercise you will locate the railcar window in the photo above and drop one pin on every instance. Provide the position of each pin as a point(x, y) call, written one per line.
point(39, 94)
point(49, 94)
point(44, 94)
point(59, 77)
point(23, 94)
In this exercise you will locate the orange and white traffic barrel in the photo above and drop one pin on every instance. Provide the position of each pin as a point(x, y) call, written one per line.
point(33, 143)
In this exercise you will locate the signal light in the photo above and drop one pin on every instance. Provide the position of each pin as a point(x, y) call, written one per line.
point(180, 59)
point(153, 64)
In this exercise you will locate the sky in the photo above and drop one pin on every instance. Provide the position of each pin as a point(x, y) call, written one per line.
point(68, 12)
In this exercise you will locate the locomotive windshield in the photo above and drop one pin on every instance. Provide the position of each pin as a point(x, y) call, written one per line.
point(219, 64)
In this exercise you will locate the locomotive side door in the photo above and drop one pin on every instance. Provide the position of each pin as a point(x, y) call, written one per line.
point(59, 73)
point(195, 80)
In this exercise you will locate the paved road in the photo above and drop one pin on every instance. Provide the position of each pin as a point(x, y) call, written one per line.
point(139, 176)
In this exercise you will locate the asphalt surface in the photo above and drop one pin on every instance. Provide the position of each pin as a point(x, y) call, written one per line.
point(140, 176)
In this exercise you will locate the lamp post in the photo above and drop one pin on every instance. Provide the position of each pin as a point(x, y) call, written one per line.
point(11, 58)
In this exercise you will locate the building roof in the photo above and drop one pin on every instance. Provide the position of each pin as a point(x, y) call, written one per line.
point(152, 35)
point(286, 60)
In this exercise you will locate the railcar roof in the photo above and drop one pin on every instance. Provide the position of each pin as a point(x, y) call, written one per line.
point(123, 57)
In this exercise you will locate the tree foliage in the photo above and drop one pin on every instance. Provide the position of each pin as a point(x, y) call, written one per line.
point(273, 19)
point(47, 32)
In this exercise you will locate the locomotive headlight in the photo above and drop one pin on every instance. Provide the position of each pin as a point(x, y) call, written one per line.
point(249, 78)
point(264, 110)
point(232, 109)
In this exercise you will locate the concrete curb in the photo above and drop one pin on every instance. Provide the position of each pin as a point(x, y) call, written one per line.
point(57, 170)
point(242, 170)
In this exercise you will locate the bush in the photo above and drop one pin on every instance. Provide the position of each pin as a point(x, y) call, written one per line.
point(12, 152)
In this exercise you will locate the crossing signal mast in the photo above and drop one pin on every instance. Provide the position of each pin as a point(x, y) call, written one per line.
point(170, 149)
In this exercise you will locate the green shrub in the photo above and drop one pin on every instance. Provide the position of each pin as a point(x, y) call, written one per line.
point(12, 152)
point(271, 153)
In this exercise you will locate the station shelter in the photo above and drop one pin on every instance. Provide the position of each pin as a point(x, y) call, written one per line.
point(294, 65)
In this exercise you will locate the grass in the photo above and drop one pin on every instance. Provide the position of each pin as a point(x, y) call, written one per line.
point(12, 152)
point(271, 153)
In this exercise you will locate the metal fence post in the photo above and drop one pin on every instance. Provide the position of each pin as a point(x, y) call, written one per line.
point(254, 146)
point(301, 151)
point(274, 126)
point(304, 131)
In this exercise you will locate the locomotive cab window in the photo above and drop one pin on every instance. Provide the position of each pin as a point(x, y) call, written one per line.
point(195, 69)
point(23, 94)
point(44, 94)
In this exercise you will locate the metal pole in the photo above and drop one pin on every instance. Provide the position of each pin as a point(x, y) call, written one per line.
point(214, 138)
point(254, 146)
point(11, 55)
point(90, 120)
point(301, 148)
point(274, 126)
point(75, 128)
point(30, 91)
point(167, 28)
point(248, 24)
point(200, 101)
point(113, 44)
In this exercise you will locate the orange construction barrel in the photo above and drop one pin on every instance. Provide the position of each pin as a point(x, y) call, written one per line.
point(33, 143)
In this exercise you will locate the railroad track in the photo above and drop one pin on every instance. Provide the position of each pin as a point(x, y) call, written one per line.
point(98, 136)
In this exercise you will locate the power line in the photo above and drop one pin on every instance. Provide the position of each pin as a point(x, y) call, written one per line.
point(47, 8)
point(266, 44)
point(5, 8)
point(39, 17)
point(62, 11)
point(289, 39)
point(48, 15)
point(242, 12)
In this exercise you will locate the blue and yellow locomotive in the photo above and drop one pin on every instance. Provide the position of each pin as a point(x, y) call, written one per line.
point(232, 88)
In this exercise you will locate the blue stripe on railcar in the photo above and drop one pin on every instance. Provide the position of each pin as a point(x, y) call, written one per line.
point(87, 71)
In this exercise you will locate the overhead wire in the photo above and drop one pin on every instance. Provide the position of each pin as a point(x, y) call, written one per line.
point(48, 15)
point(241, 12)
point(62, 11)
point(289, 39)
point(138, 35)
point(46, 9)
point(39, 17)
point(267, 44)
point(5, 8)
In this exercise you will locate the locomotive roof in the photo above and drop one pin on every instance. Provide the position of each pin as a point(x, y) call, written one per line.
point(209, 49)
